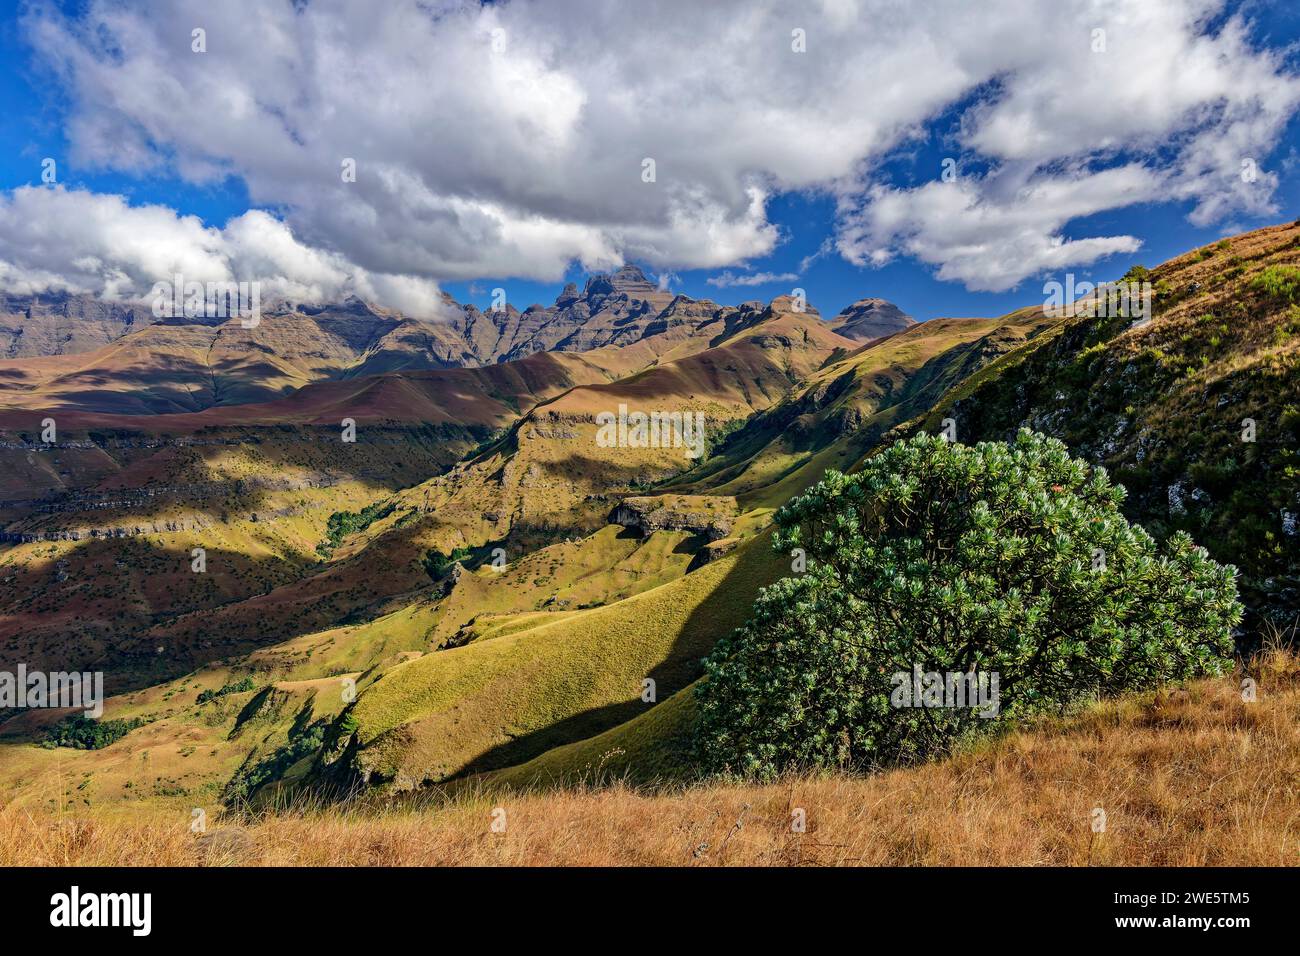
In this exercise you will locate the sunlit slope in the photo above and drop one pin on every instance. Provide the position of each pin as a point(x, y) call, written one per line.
point(654, 747)
point(506, 699)
point(187, 755)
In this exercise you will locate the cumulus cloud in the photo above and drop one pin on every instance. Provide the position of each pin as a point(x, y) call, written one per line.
point(55, 239)
point(1146, 80)
point(989, 236)
point(511, 139)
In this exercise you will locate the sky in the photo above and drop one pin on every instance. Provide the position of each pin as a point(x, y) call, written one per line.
point(949, 156)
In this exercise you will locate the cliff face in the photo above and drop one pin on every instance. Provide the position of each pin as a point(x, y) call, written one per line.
point(63, 324)
point(615, 309)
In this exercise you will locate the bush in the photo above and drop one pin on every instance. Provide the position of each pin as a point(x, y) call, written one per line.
point(1279, 282)
point(343, 523)
point(1001, 559)
point(436, 564)
point(86, 733)
point(234, 687)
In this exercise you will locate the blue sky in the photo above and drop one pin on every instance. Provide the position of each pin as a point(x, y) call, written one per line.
point(38, 105)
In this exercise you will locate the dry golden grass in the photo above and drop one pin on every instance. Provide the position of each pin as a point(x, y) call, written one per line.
point(1192, 777)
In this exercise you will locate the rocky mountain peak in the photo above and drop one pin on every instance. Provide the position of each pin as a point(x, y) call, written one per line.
point(628, 280)
point(786, 303)
point(568, 295)
point(631, 280)
point(871, 319)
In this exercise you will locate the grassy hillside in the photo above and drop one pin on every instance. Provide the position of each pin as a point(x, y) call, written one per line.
point(652, 749)
point(840, 411)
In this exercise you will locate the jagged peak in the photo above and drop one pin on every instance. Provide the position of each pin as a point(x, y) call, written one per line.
point(627, 279)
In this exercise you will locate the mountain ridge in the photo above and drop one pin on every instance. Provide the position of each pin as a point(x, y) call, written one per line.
point(80, 353)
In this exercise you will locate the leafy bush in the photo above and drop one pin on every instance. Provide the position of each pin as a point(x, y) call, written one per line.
point(1008, 559)
point(234, 687)
point(436, 564)
point(87, 733)
point(259, 770)
point(343, 523)
point(1279, 282)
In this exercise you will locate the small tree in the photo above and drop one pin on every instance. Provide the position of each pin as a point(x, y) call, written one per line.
point(1000, 559)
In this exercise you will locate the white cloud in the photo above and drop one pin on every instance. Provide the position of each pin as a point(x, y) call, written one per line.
point(990, 234)
point(1189, 105)
point(55, 239)
point(729, 278)
point(509, 139)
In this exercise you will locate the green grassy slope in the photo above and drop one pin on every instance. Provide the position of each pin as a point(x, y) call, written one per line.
point(502, 700)
point(651, 748)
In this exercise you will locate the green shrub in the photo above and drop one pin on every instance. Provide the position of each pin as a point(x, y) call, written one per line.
point(234, 687)
point(343, 523)
point(87, 733)
point(955, 559)
point(259, 770)
point(1278, 282)
point(436, 564)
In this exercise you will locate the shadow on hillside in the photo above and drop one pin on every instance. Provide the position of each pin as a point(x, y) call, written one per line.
point(726, 607)
point(578, 727)
point(164, 471)
point(102, 617)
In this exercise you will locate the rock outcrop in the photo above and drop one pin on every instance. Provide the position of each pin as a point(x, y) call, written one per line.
point(698, 514)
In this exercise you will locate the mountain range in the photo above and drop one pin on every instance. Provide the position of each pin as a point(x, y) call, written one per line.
point(77, 352)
